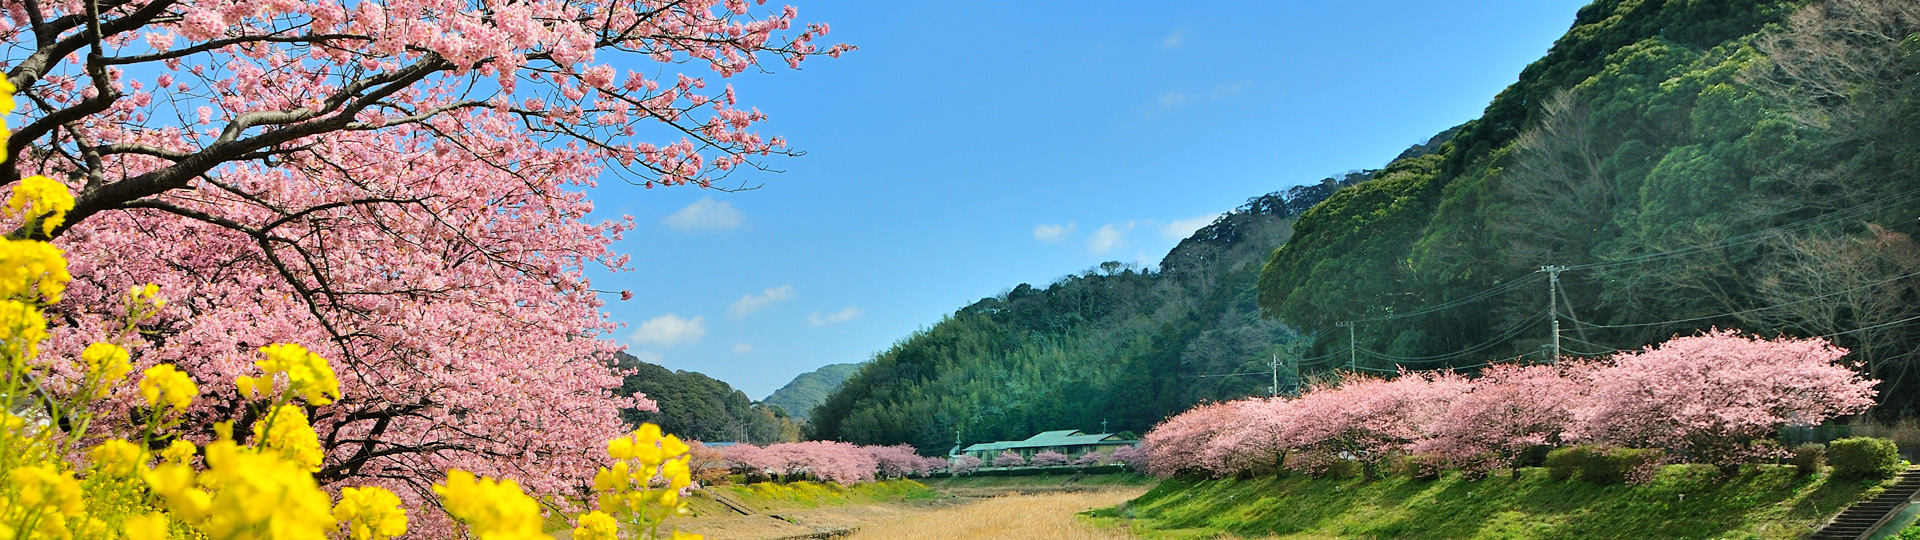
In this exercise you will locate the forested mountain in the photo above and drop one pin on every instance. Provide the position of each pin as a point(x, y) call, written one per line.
point(1114, 344)
point(1692, 164)
point(698, 407)
point(1685, 164)
point(809, 389)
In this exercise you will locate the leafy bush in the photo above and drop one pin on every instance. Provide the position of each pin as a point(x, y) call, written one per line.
point(1563, 463)
point(1422, 466)
point(1809, 458)
point(1863, 457)
point(1602, 464)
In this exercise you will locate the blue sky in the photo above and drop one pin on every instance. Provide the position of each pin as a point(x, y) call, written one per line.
point(968, 147)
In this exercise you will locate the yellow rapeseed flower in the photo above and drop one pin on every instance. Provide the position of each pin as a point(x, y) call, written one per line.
point(166, 385)
point(151, 526)
point(372, 513)
point(108, 361)
point(117, 457)
point(308, 375)
point(41, 197)
point(492, 510)
point(22, 328)
point(287, 431)
point(179, 451)
point(262, 495)
point(41, 488)
point(28, 268)
point(596, 525)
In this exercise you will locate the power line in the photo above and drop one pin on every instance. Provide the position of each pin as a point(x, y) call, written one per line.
point(1741, 312)
point(1505, 335)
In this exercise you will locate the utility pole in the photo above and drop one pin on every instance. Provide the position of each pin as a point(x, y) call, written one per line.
point(1352, 350)
point(1553, 305)
point(1275, 389)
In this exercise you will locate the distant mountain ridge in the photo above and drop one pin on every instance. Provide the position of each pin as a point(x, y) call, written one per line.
point(698, 407)
point(810, 389)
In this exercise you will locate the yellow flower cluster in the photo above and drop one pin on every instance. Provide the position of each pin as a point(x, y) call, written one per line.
point(643, 486)
point(308, 375)
point(596, 525)
point(287, 431)
point(166, 385)
point(22, 328)
point(492, 510)
point(29, 269)
point(117, 457)
point(109, 362)
point(261, 495)
point(43, 198)
point(371, 513)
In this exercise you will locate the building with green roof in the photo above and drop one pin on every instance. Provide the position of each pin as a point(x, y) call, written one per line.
point(1071, 442)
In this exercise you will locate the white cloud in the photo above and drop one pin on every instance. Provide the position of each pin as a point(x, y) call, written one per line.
point(752, 303)
point(705, 215)
point(837, 317)
point(670, 330)
point(1172, 99)
point(1180, 229)
point(1173, 40)
point(1052, 232)
point(1109, 237)
point(742, 348)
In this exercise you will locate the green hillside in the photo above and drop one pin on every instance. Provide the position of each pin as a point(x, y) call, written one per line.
point(697, 407)
point(809, 389)
point(1683, 501)
point(1744, 164)
point(1115, 344)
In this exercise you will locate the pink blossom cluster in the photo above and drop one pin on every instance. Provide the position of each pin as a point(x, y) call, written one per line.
point(1048, 458)
point(831, 461)
point(1009, 459)
point(965, 465)
point(1710, 398)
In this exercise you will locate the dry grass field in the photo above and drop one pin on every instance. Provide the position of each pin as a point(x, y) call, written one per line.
point(1051, 516)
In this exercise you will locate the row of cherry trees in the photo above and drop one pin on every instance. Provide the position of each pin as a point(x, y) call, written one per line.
point(1712, 398)
point(832, 461)
point(848, 464)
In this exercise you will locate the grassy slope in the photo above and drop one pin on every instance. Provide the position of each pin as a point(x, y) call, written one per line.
point(1769, 503)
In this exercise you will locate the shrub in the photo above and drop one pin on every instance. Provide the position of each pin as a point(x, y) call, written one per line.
point(1808, 458)
point(1563, 463)
point(1422, 466)
point(1614, 465)
point(1863, 457)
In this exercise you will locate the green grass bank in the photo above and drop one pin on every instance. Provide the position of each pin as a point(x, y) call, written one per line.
point(1683, 502)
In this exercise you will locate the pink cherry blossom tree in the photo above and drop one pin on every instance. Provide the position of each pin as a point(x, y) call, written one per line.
point(965, 465)
point(1134, 457)
point(1090, 459)
point(1507, 410)
point(395, 184)
point(1049, 458)
point(898, 461)
point(1009, 459)
point(1709, 398)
